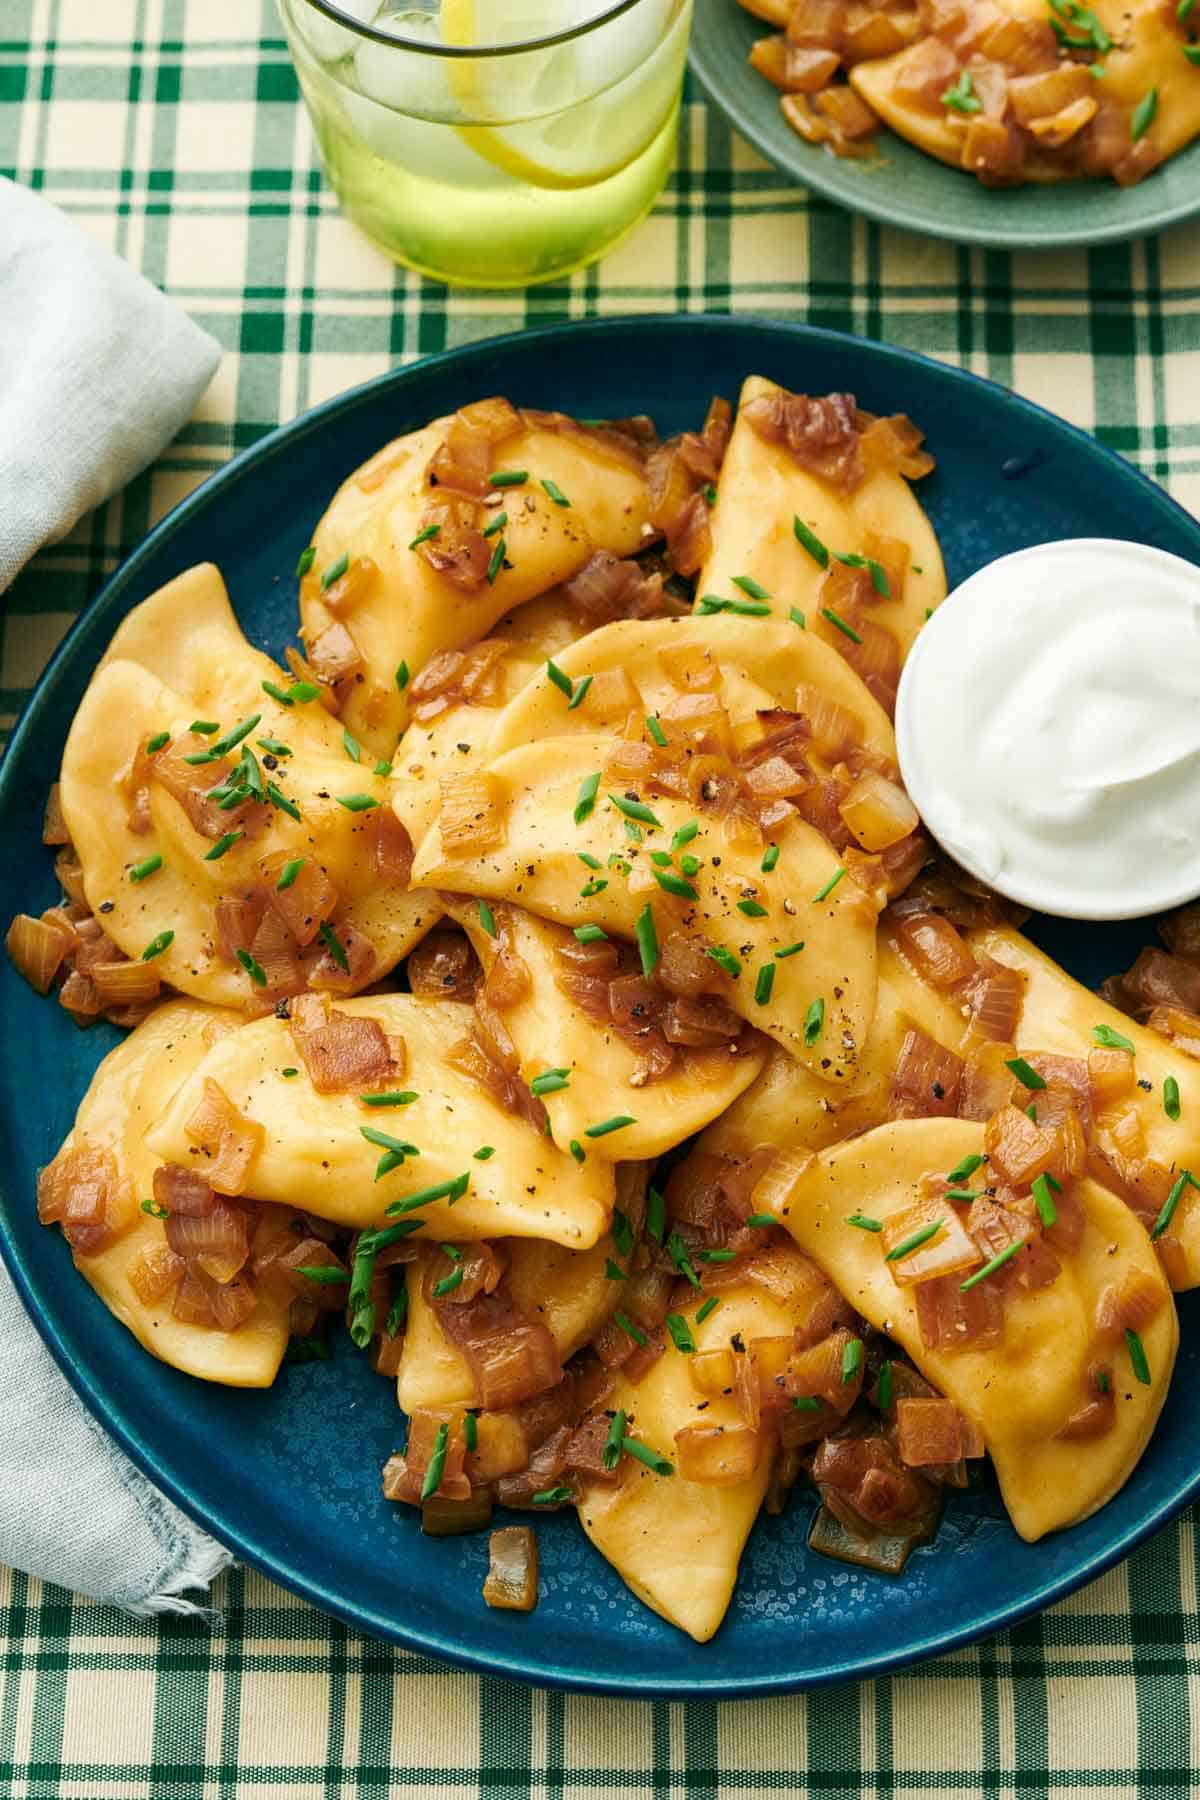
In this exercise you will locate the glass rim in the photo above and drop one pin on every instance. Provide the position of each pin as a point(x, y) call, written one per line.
point(334, 12)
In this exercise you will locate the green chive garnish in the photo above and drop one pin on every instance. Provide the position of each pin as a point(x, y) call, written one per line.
point(788, 950)
point(1025, 1073)
point(684, 835)
point(823, 893)
point(288, 874)
point(914, 1240)
point(1109, 1039)
point(852, 1357)
point(806, 1403)
point(497, 524)
point(306, 561)
point(552, 1081)
point(444, 1190)
point(864, 1224)
point(254, 970)
point(797, 617)
point(273, 746)
point(305, 690)
point(962, 96)
point(447, 1284)
point(1137, 1357)
point(352, 747)
point(675, 884)
point(423, 536)
point(323, 1276)
point(877, 572)
point(814, 1021)
point(656, 1214)
point(725, 959)
point(618, 1122)
point(616, 1437)
point(402, 676)
point(139, 872)
point(485, 1153)
point(592, 888)
point(496, 560)
point(580, 693)
point(827, 612)
point(989, 1268)
point(770, 858)
point(277, 693)
point(155, 1210)
point(765, 1219)
point(967, 1167)
point(1047, 1211)
point(590, 934)
point(753, 909)
point(288, 1073)
point(636, 809)
point(1143, 117)
point(157, 945)
point(681, 1335)
point(585, 805)
point(655, 729)
point(1170, 1097)
point(626, 1324)
point(612, 1270)
point(1184, 1179)
point(502, 478)
point(555, 1496)
point(651, 1458)
point(555, 492)
point(487, 918)
point(335, 571)
point(811, 542)
point(883, 1391)
point(749, 586)
point(356, 802)
point(204, 727)
point(577, 1150)
point(222, 845)
point(437, 1462)
point(158, 742)
point(396, 1097)
point(710, 1306)
point(678, 1252)
point(622, 1232)
point(764, 982)
point(335, 947)
point(647, 940)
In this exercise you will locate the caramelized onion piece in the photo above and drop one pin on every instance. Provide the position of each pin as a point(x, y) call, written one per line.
point(718, 1455)
point(444, 967)
point(228, 1141)
point(343, 1052)
point(928, 1432)
point(821, 433)
point(512, 1577)
point(927, 1081)
point(37, 950)
point(472, 813)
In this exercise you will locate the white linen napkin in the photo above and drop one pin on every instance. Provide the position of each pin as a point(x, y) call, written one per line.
point(98, 371)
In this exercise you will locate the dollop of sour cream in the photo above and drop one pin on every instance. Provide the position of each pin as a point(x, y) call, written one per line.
point(1048, 727)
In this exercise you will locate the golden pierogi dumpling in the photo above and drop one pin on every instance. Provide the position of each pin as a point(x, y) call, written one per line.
point(254, 848)
point(330, 1145)
point(421, 551)
point(1059, 1355)
point(95, 1186)
point(540, 827)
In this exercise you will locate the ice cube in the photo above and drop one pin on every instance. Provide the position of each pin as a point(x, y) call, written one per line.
point(611, 52)
point(330, 42)
point(407, 80)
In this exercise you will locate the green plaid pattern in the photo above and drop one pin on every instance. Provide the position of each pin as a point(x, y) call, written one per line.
point(141, 118)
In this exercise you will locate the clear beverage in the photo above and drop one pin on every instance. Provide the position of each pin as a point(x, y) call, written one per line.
point(493, 142)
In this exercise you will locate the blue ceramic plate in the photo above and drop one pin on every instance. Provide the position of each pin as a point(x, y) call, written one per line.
point(902, 186)
point(290, 1479)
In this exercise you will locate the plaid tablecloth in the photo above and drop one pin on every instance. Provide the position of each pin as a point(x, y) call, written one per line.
point(171, 129)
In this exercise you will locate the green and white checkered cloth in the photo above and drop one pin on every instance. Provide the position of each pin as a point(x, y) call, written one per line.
point(141, 118)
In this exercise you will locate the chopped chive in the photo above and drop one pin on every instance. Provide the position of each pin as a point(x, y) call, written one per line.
point(592, 888)
point(1102, 1381)
point(788, 950)
point(655, 729)
point(763, 1218)
point(716, 1256)
point(423, 536)
point(437, 1462)
point(552, 1081)
point(814, 1021)
point(647, 940)
point(864, 1224)
point(1109, 1039)
point(626, 1324)
point(322, 1276)
point(691, 865)
point(305, 690)
point(254, 970)
point(577, 1150)
point(964, 1195)
point(622, 1232)
point(763, 984)
point(1192, 52)
point(372, 1242)
point(725, 959)
point(496, 560)
point(684, 835)
point(645, 1454)
point(335, 571)
point(580, 693)
point(157, 945)
point(1184, 1179)
point(555, 492)
point(1031, 1112)
point(989, 1268)
point(824, 892)
point(1143, 117)
point(1170, 1096)
point(450, 1191)
point(585, 804)
point(1137, 1356)
point(151, 864)
point(710, 1306)
point(1025, 1073)
point(155, 1210)
point(356, 802)
point(619, 864)
point(681, 1335)
point(753, 909)
point(485, 1153)
point(827, 612)
point(710, 495)
point(962, 96)
point(810, 541)
point(883, 1391)
point(382, 1141)
point(223, 845)
point(382, 768)
point(636, 809)
point(612, 1270)
point(395, 1097)
point(487, 918)
point(502, 478)
point(618, 1122)
point(447, 1284)
point(305, 562)
point(278, 798)
point(914, 1240)
point(744, 609)
point(555, 1496)
point(965, 1168)
point(352, 747)
point(656, 1214)
point(402, 676)
point(770, 858)
point(616, 1437)
point(797, 617)
point(471, 1432)
point(204, 727)
point(335, 946)
point(497, 524)
point(806, 1403)
point(561, 681)
point(590, 934)
point(288, 1073)
point(1047, 1211)
point(749, 586)
point(633, 832)
point(277, 693)
point(288, 874)
point(852, 1357)
point(675, 884)
point(877, 572)
point(158, 742)
point(678, 1252)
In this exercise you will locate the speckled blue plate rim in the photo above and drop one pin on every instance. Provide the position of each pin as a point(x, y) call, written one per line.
point(891, 210)
point(117, 597)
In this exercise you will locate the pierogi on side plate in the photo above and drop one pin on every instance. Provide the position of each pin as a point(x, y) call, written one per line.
point(544, 975)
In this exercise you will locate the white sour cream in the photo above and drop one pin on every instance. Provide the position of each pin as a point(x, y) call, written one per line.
point(1048, 727)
